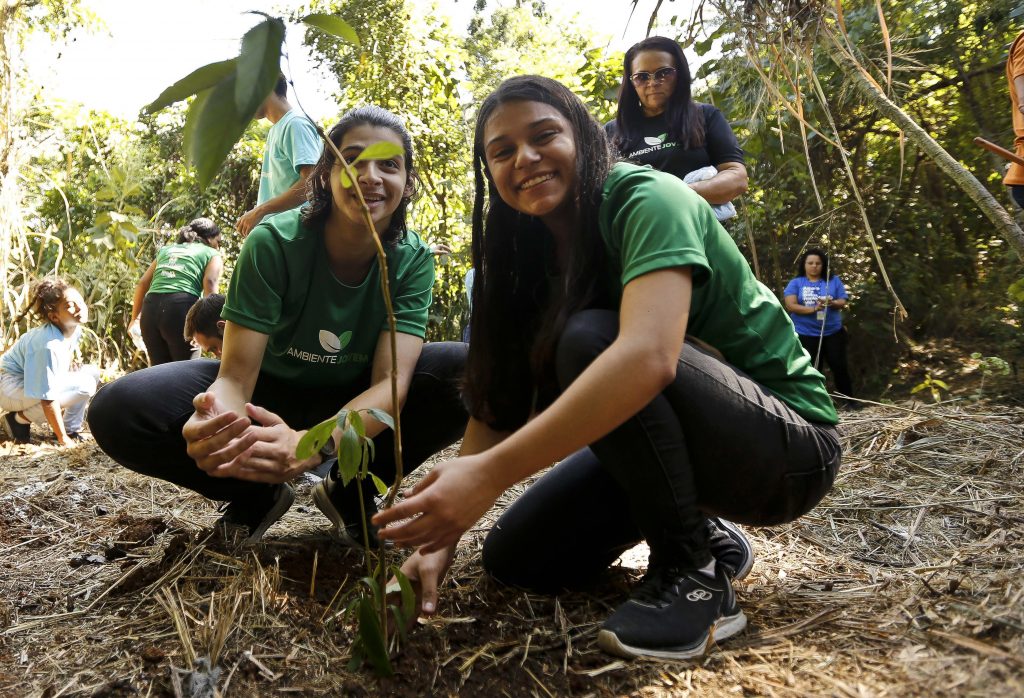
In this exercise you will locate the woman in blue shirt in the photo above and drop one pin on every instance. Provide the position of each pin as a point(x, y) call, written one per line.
point(814, 300)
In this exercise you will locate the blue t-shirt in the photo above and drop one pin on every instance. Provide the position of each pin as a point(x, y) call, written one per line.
point(42, 356)
point(291, 143)
point(807, 293)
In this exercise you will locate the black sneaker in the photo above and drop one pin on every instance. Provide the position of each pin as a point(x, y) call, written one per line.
point(673, 614)
point(15, 430)
point(341, 504)
point(253, 518)
point(730, 548)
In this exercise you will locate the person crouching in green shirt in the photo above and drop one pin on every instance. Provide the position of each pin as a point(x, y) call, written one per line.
point(305, 334)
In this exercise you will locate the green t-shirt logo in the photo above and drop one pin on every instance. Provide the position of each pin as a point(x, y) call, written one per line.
point(334, 343)
point(655, 140)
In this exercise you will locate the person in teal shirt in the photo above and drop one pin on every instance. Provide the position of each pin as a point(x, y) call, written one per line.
point(618, 329)
point(180, 274)
point(293, 148)
point(305, 333)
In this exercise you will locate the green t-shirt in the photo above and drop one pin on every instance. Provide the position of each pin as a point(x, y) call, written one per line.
point(322, 332)
point(180, 268)
point(291, 143)
point(651, 220)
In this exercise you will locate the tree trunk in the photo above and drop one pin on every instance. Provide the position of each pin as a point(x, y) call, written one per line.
point(966, 181)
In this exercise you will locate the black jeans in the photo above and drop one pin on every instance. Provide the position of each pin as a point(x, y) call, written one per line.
point(714, 442)
point(137, 419)
point(163, 327)
point(833, 352)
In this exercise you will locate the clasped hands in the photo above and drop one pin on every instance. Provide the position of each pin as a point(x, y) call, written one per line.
point(256, 446)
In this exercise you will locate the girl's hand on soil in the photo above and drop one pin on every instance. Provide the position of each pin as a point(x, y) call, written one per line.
point(442, 506)
point(425, 572)
point(272, 456)
point(215, 436)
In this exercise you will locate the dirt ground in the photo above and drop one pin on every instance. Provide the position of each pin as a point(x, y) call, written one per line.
point(905, 581)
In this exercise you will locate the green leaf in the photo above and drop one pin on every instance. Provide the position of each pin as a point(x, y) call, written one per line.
point(314, 439)
point(372, 449)
point(372, 637)
point(941, 384)
point(259, 65)
point(195, 82)
point(191, 117)
point(217, 128)
point(333, 25)
point(381, 416)
point(381, 150)
point(356, 420)
point(341, 418)
point(349, 455)
point(918, 388)
point(408, 594)
point(346, 181)
point(382, 487)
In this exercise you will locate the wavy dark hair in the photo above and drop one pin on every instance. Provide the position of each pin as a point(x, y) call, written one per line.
point(318, 186)
point(518, 313)
point(199, 229)
point(45, 297)
point(685, 121)
point(800, 271)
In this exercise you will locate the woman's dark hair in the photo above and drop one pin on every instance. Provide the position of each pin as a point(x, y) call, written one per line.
point(318, 186)
point(800, 271)
point(45, 297)
point(201, 229)
point(518, 312)
point(685, 121)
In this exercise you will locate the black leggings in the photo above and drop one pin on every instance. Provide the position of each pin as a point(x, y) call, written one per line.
point(833, 352)
point(137, 419)
point(714, 442)
point(163, 327)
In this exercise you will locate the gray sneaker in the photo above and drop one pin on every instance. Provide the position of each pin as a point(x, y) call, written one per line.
point(341, 506)
point(253, 518)
point(730, 548)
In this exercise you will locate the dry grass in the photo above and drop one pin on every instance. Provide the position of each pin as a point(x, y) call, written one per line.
point(907, 580)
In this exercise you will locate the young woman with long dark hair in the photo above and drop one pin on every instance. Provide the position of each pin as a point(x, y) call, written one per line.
point(305, 333)
point(589, 276)
point(659, 124)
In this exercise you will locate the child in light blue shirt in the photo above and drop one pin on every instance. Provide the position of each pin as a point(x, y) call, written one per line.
point(37, 383)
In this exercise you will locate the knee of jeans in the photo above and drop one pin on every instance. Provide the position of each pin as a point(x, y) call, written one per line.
point(502, 559)
point(104, 411)
point(586, 335)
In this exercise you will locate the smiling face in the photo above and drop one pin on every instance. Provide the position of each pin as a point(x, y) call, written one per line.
point(530, 152)
point(654, 95)
point(383, 183)
point(812, 266)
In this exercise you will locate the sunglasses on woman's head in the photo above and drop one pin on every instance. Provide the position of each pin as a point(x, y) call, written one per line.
point(659, 76)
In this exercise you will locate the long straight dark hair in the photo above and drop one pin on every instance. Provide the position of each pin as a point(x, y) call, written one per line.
point(518, 312)
point(685, 121)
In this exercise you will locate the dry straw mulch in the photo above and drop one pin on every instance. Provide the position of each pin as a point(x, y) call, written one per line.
point(907, 580)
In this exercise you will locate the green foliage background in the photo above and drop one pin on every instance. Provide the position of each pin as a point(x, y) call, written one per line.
point(98, 195)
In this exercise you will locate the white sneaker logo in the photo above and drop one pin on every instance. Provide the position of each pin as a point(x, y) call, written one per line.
point(334, 343)
point(699, 595)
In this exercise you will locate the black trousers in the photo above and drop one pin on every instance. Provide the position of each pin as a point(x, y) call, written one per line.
point(714, 442)
point(137, 419)
point(833, 352)
point(163, 327)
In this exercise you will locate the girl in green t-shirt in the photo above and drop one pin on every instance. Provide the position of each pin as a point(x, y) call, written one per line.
point(589, 276)
point(305, 334)
point(174, 281)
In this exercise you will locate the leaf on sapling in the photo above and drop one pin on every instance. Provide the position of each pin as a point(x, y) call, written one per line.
point(195, 82)
point(381, 416)
point(381, 150)
point(346, 181)
point(372, 449)
point(382, 487)
point(218, 126)
point(408, 594)
point(259, 65)
point(356, 420)
point(340, 418)
point(349, 455)
point(314, 439)
point(333, 25)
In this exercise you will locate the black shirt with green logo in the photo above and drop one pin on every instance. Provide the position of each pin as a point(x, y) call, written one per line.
point(720, 145)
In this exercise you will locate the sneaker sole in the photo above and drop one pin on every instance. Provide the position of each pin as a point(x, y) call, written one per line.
point(724, 628)
point(282, 505)
point(326, 507)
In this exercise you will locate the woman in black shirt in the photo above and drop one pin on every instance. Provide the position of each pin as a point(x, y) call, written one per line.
point(659, 124)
